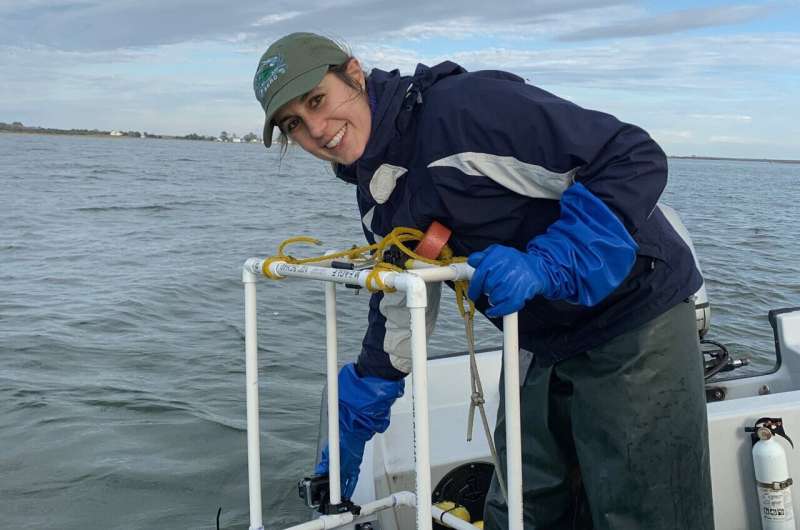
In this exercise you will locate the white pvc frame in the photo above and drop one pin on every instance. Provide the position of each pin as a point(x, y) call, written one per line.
point(413, 284)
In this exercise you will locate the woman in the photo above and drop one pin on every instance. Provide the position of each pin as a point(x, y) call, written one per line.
point(555, 206)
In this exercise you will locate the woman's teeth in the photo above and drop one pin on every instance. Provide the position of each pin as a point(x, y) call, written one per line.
point(336, 139)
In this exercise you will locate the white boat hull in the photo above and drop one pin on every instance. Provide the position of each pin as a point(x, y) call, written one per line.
point(389, 459)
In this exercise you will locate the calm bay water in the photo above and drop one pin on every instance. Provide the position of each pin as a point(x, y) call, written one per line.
point(121, 318)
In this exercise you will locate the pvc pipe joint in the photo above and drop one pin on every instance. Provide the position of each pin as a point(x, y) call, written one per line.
point(414, 287)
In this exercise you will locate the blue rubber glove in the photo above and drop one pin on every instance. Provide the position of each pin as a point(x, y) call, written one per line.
point(509, 277)
point(364, 405)
point(582, 258)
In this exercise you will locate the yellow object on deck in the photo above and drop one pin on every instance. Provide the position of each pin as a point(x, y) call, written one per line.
point(456, 510)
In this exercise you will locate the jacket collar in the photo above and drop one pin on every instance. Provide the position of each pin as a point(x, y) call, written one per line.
point(395, 98)
point(385, 91)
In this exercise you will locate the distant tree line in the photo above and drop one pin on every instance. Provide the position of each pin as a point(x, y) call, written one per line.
point(20, 128)
point(195, 136)
point(225, 137)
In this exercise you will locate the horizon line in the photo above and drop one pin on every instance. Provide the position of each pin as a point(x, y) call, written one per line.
point(20, 128)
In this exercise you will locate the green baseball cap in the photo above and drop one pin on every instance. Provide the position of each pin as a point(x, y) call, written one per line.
point(292, 66)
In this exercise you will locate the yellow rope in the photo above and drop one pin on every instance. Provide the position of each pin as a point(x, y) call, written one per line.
point(265, 268)
point(398, 237)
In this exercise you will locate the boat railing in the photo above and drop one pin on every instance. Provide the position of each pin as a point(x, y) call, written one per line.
point(412, 283)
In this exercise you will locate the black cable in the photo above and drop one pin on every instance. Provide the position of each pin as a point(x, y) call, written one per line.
point(721, 356)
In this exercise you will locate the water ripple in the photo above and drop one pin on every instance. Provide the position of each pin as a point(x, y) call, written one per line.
point(121, 320)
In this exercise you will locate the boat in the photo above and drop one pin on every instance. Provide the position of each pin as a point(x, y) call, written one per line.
point(417, 458)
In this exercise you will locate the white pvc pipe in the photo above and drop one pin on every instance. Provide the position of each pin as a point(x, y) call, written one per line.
point(251, 382)
point(429, 273)
point(433, 273)
point(416, 300)
point(422, 444)
point(333, 394)
point(401, 498)
point(513, 424)
point(283, 269)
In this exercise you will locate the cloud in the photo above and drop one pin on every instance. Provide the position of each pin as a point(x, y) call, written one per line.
point(674, 22)
point(71, 89)
point(511, 27)
point(276, 18)
point(666, 136)
point(696, 68)
point(174, 65)
point(691, 65)
point(98, 25)
point(92, 25)
point(737, 140)
point(723, 117)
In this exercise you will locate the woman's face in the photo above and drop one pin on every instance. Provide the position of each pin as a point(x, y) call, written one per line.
point(332, 121)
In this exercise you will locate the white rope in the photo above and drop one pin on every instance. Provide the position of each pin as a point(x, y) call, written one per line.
point(477, 401)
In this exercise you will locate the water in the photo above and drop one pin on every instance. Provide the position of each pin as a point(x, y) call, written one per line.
point(121, 318)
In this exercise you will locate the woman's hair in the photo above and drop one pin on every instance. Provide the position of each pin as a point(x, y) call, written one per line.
point(340, 71)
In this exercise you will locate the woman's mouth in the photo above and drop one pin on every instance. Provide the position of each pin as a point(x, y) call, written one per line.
point(336, 140)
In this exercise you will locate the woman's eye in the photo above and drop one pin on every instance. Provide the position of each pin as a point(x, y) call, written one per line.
point(291, 124)
point(316, 100)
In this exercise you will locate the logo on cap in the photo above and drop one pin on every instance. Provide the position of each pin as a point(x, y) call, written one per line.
point(268, 71)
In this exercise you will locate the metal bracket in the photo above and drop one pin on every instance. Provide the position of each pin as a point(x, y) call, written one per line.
point(774, 425)
point(715, 393)
point(315, 491)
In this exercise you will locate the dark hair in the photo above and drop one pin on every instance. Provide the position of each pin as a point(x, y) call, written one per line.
point(340, 71)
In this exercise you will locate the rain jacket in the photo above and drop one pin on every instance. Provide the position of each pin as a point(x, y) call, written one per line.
point(489, 156)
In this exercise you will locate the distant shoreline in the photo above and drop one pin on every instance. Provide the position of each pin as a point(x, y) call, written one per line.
point(104, 134)
point(770, 160)
point(65, 133)
point(19, 128)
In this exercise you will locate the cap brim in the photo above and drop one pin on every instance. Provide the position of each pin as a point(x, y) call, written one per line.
point(294, 88)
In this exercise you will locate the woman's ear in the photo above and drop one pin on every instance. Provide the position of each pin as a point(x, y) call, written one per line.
point(355, 72)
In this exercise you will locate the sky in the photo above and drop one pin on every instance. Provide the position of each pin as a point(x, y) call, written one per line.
point(706, 78)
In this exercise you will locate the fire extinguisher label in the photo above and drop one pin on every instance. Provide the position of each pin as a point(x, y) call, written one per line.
point(776, 505)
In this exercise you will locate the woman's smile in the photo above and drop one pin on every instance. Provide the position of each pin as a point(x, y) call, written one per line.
point(337, 138)
point(333, 120)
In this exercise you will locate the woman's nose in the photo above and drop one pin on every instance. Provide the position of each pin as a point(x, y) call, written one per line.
point(316, 126)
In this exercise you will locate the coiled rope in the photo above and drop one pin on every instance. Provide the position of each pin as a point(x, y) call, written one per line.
point(399, 237)
point(374, 254)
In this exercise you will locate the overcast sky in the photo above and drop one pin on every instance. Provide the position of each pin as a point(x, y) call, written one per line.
point(705, 78)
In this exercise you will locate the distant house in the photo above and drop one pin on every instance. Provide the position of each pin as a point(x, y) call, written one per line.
point(116, 133)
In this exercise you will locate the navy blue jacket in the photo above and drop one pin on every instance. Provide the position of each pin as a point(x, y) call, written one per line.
point(489, 156)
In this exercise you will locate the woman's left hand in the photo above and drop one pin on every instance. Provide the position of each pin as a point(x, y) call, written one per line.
point(507, 276)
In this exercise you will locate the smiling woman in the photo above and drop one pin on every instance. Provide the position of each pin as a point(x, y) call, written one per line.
point(332, 121)
point(556, 208)
point(330, 118)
